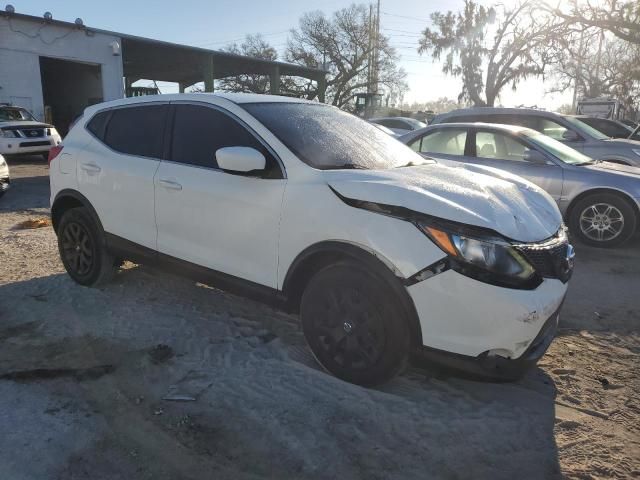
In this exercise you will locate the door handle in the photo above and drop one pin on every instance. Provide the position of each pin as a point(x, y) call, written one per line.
point(90, 168)
point(170, 184)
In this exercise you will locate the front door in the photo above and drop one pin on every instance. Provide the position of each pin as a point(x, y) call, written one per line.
point(210, 217)
point(507, 152)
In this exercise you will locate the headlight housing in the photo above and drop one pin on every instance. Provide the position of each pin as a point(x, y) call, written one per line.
point(488, 259)
point(7, 134)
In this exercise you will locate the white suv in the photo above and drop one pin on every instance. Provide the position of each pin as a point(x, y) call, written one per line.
point(383, 253)
point(21, 133)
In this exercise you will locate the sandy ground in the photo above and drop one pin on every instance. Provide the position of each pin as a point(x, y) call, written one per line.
point(83, 373)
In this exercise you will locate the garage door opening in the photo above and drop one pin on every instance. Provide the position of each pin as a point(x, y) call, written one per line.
point(68, 88)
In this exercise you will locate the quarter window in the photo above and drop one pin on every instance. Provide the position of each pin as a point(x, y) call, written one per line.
point(198, 132)
point(448, 141)
point(97, 124)
point(500, 146)
point(137, 130)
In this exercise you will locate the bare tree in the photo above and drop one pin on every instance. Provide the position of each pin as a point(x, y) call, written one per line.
point(341, 45)
point(253, 46)
point(490, 48)
point(598, 67)
point(620, 17)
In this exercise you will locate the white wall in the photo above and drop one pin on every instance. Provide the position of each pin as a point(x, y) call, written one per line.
point(22, 42)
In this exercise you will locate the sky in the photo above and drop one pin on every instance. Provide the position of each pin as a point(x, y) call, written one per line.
point(215, 23)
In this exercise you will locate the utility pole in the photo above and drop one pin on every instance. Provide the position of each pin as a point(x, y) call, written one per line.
point(578, 74)
point(376, 58)
point(369, 51)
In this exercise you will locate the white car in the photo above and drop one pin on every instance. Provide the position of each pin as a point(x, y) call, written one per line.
point(21, 133)
point(5, 179)
point(382, 252)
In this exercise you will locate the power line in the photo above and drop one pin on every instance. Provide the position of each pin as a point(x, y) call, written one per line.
point(406, 17)
point(402, 31)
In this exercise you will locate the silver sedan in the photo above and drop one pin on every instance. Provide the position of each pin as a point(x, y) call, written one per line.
point(599, 200)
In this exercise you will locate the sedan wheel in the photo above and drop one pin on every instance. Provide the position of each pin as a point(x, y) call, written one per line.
point(603, 220)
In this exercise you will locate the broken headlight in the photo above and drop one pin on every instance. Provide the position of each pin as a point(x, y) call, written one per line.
point(490, 259)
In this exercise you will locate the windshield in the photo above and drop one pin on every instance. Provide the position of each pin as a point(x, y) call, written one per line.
point(327, 138)
point(557, 149)
point(586, 129)
point(416, 124)
point(14, 114)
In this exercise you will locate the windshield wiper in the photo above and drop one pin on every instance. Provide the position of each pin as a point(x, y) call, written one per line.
point(348, 166)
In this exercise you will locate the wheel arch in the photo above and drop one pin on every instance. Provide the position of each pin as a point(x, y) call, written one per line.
point(602, 190)
point(317, 256)
point(67, 199)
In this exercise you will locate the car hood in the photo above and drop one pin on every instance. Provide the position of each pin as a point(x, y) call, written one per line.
point(469, 194)
point(623, 142)
point(615, 168)
point(25, 124)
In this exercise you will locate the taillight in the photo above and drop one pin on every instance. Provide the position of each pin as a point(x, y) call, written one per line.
point(54, 152)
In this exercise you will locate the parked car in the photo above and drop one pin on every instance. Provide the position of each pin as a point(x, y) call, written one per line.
point(611, 128)
point(21, 133)
point(599, 200)
point(382, 252)
point(564, 128)
point(5, 179)
point(384, 129)
point(399, 125)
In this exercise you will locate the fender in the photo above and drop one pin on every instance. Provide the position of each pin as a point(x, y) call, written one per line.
point(64, 196)
point(314, 257)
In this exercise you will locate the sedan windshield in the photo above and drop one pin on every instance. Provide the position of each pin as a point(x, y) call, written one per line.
point(14, 115)
point(586, 129)
point(327, 138)
point(557, 149)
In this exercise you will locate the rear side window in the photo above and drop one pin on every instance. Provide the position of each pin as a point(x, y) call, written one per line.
point(97, 124)
point(198, 132)
point(137, 130)
point(448, 141)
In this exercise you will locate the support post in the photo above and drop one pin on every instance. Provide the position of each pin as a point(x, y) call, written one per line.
point(208, 74)
point(274, 81)
point(182, 87)
point(322, 88)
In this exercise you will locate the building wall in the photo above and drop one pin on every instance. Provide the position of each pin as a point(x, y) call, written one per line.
point(23, 41)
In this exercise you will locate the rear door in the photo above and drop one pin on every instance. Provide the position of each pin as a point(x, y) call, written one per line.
point(214, 218)
point(116, 169)
point(508, 152)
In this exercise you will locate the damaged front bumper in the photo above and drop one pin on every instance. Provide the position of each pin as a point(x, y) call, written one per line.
point(483, 329)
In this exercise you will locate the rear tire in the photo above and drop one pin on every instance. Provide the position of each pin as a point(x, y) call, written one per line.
point(603, 220)
point(354, 324)
point(82, 249)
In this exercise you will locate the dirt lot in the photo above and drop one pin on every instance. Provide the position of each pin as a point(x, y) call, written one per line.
point(83, 373)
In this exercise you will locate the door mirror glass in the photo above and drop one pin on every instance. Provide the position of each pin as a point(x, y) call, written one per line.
point(240, 159)
point(570, 136)
point(534, 156)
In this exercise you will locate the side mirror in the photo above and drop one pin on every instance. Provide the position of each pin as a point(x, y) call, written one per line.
point(240, 159)
point(534, 156)
point(570, 136)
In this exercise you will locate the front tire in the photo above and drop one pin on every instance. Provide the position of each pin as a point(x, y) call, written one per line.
point(82, 249)
point(603, 220)
point(354, 324)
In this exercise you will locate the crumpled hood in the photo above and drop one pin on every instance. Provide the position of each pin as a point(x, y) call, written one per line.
point(469, 194)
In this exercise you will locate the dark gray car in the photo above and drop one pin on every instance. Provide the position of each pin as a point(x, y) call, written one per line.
point(564, 128)
point(599, 200)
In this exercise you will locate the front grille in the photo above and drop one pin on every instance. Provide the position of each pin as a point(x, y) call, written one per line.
point(33, 132)
point(551, 259)
point(34, 144)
